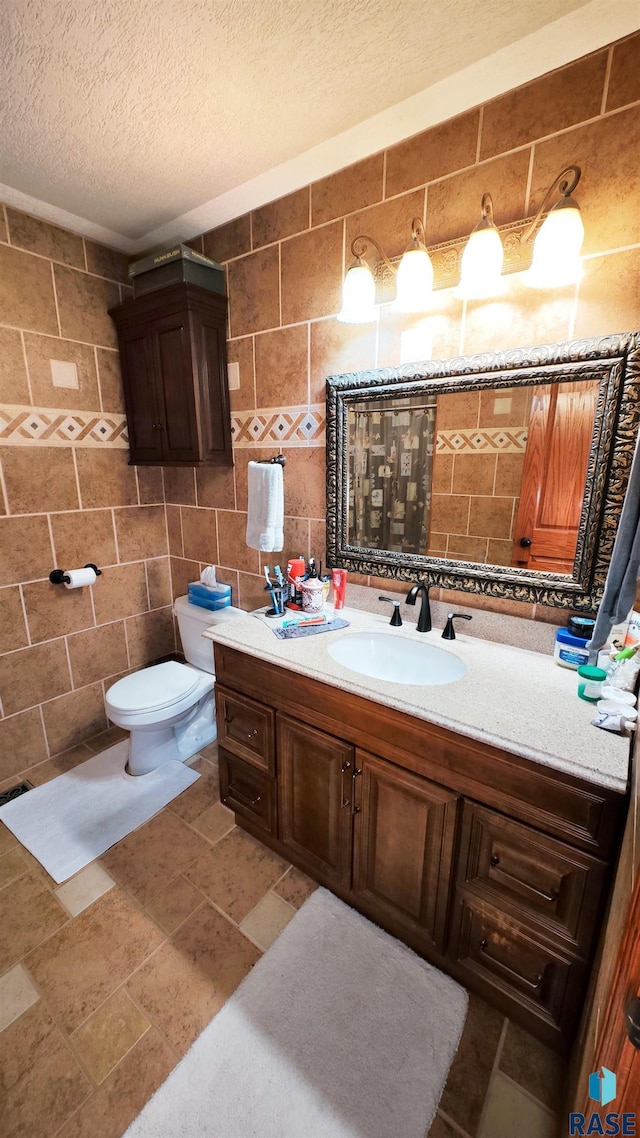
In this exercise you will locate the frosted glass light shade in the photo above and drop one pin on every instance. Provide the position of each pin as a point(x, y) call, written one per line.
point(358, 296)
point(414, 282)
point(481, 264)
point(556, 250)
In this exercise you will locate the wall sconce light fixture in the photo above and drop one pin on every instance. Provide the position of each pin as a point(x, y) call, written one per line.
point(483, 257)
point(414, 279)
point(479, 265)
point(556, 249)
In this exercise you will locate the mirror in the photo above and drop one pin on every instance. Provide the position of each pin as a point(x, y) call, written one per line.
point(501, 474)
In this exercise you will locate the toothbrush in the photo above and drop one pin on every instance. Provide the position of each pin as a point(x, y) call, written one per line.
point(278, 575)
point(267, 575)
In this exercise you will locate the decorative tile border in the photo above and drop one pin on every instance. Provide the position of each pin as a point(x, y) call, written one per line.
point(290, 427)
point(482, 441)
point(43, 426)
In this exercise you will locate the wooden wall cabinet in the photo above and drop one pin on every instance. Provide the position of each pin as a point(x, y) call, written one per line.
point(173, 354)
point(491, 867)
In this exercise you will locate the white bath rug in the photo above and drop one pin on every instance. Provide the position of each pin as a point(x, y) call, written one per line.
point(70, 821)
point(340, 1031)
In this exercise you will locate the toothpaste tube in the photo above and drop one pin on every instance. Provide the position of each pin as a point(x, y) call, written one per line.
point(302, 621)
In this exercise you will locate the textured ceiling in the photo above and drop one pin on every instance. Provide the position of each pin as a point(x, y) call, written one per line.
point(130, 113)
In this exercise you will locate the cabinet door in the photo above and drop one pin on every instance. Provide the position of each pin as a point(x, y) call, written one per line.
point(180, 442)
point(315, 804)
point(210, 369)
point(404, 834)
point(139, 379)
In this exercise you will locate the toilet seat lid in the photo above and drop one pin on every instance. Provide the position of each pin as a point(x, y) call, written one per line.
point(153, 688)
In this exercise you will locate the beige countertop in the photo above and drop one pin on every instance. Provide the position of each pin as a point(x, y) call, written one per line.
point(520, 701)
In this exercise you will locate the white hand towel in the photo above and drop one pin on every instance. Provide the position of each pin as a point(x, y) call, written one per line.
point(265, 514)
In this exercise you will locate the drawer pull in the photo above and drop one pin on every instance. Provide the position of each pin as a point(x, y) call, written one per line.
point(552, 895)
point(243, 798)
point(532, 984)
point(242, 730)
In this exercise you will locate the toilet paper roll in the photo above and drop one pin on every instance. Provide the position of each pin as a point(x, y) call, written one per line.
point(79, 577)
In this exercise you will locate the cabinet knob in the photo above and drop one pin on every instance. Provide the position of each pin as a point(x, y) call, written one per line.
point(495, 860)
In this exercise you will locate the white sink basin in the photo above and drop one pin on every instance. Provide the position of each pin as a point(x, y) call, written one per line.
point(384, 656)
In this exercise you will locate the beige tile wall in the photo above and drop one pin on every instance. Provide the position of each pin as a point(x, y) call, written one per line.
point(64, 505)
point(285, 264)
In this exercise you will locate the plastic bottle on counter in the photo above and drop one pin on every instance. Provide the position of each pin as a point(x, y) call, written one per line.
point(571, 649)
point(590, 687)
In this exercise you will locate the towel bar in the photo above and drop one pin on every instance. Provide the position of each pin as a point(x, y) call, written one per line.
point(279, 458)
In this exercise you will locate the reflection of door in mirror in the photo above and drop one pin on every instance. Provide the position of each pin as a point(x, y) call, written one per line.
point(481, 437)
point(390, 461)
point(554, 474)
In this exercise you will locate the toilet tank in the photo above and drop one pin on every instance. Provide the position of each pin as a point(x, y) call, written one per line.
point(192, 621)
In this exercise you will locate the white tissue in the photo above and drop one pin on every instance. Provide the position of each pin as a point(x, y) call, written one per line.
point(208, 577)
point(79, 577)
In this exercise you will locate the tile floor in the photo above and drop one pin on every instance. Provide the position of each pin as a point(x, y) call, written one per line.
point(105, 981)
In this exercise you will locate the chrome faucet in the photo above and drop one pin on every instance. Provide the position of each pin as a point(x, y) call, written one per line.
point(421, 589)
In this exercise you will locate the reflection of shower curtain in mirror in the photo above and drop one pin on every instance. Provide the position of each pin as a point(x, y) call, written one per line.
point(390, 463)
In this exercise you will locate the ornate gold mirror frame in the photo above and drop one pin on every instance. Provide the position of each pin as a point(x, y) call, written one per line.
point(612, 361)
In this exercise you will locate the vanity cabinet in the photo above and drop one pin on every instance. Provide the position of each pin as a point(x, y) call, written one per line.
point(490, 866)
point(173, 355)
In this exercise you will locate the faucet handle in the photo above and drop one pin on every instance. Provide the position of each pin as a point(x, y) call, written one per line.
point(449, 632)
point(396, 619)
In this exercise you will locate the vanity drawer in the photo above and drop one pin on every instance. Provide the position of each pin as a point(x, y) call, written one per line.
point(248, 792)
point(530, 875)
point(246, 728)
point(539, 981)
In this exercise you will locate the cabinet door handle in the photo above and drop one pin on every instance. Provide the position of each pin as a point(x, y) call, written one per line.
point(346, 802)
point(243, 798)
point(242, 730)
point(552, 895)
point(345, 766)
point(532, 984)
point(357, 772)
point(357, 809)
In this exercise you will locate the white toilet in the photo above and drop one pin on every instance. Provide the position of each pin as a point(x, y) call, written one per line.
point(169, 708)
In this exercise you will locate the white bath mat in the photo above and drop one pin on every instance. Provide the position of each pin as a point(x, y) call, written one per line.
point(70, 821)
point(340, 1031)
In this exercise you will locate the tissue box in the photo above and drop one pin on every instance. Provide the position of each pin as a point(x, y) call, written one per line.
point(206, 598)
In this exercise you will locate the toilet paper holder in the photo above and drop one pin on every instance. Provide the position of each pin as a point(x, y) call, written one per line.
point(60, 577)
